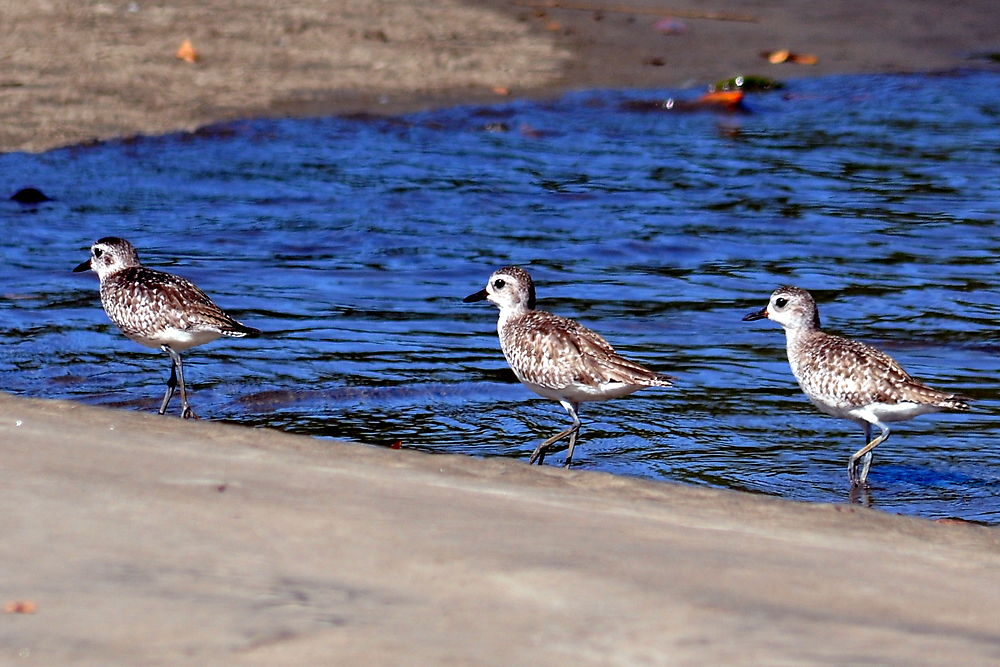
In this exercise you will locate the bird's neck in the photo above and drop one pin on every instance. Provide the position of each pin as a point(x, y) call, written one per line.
point(795, 339)
point(509, 314)
point(111, 272)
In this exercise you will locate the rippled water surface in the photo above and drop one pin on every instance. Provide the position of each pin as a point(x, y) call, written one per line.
point(352, 241)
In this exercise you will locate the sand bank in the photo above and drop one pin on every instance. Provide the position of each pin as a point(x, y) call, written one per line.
point(79, 71)
point(145, 539)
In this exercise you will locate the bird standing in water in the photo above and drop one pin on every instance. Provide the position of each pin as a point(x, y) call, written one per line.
point(848, 379)
point(556, 357)
point(158, 309)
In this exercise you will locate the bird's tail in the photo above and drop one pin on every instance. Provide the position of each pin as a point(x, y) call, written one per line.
point(629, 372)
point(239, 330)
point(956, 402)
point(941, 399)
point(661, 380)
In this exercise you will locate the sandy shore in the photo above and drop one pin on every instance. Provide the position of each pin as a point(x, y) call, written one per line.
point(149, 540)
point(142, 539)
point(78, 71)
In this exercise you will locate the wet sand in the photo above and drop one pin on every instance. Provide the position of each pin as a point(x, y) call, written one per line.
point(150, 540)
point(79, 71)
point(144, 539)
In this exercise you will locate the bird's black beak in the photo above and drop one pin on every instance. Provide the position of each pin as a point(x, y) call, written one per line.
point(83, 266)
point(759, 315)
point(478, 296)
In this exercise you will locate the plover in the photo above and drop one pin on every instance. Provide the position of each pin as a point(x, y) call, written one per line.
point(158, 309)
point(848, 379)
point(556, 357)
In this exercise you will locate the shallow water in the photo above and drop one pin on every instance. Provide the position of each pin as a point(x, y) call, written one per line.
point(352, 241)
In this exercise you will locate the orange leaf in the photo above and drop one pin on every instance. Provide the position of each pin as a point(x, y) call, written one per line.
point(186, 52)
point(396, 445)
point(786, 56)
point(725, 99)
point(20, 607)
point(775, 57)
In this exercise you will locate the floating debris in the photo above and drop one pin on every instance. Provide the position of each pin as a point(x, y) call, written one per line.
point(29, 196)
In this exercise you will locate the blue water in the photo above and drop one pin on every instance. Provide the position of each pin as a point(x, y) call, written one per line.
point(352, 241)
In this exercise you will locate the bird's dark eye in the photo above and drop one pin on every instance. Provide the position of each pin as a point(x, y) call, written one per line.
point(98, 252)
point(781, 302)
point(498, 283)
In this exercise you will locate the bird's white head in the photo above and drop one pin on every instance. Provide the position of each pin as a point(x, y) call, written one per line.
point(791, 307)
point(110, 255)
point(510, 288)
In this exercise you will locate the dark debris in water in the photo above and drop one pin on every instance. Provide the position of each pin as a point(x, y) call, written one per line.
point(30, 196)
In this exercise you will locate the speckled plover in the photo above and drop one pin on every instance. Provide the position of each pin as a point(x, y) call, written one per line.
point(556, 357)
point(158, 309)
point(847, 378)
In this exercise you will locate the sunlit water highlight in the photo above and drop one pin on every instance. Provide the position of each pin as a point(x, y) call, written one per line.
point(352, 241)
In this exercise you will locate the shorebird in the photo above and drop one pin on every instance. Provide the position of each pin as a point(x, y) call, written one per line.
point(848, 379)
point(158, 309)
point(556, 357)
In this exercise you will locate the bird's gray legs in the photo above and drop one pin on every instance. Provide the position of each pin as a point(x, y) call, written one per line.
point(171, 384)
point(571, 409)
point(176, 378)
point(546, 447)
point(865, 454)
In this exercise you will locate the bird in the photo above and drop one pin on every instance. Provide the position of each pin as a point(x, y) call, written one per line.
point(849, 379)
point(556, 357)
point(158, 309)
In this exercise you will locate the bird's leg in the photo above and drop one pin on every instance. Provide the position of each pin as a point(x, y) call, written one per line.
point(851, 465)
point(546, 447)
point(571, 408)
point(171, 382)
point(865, 463)
point(865, 454)
point(186, 411)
